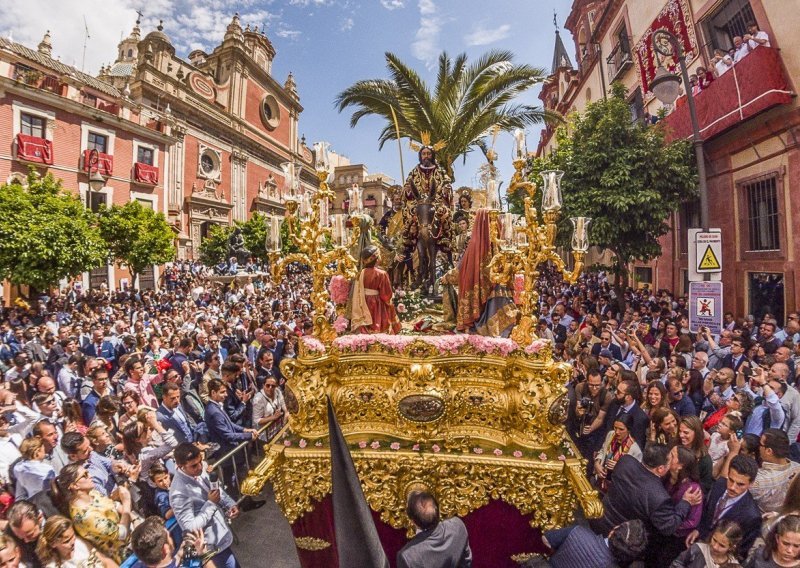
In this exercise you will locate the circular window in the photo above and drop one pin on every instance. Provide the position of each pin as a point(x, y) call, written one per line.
point(209, 163)
point(270, 112)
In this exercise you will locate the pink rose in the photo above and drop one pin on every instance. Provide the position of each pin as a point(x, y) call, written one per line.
point(340, 325)
point(395, 445)
point(362, 445)
point(302, 443)
point(287, 443)
point(415, 447)
point(318, 444)
point(477, 450)
point(375, 445)
point(401, 308)
point(436, 449)
point(498, 452)
point(543, 456)
point(517, 454)
point(562, 458)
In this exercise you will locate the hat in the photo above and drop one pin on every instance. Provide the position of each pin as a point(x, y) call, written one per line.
point(606, 353)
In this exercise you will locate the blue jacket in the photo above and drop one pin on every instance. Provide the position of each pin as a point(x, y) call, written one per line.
point(183, 431)
point(222, 430)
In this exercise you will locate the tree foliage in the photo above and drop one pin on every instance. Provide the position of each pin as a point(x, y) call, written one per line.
point(214, 247)
point(46, 233)
point(621, 173)
point(136, 236)
point(467, 101)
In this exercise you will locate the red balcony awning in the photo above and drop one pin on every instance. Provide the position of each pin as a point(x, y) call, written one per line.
point(105, 163)
point(145, 173)
point(756, 83)
point(34, 149)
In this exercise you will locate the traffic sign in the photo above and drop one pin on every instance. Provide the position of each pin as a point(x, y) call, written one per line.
point(699, 257)
point(705, 306)
point(708, 252)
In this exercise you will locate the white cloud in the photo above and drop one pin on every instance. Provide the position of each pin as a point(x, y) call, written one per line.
point(393, 4)
point(426, 43)
point(484, 36)
point(288, 34)
point(347, 25)
point(309, 2)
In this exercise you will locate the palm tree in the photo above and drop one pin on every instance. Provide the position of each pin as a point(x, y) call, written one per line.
point(467, 102)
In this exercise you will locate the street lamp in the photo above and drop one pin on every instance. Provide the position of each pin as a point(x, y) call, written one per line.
point(665, 87)
point(96, 180)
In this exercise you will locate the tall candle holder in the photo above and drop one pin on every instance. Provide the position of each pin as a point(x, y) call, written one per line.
point(310, 235)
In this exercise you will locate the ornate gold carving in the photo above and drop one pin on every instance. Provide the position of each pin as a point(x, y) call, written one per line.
point(420, 407)
point(311, 543)
point(524, 557)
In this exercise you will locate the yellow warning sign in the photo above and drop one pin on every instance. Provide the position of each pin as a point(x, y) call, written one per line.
point(709, 261)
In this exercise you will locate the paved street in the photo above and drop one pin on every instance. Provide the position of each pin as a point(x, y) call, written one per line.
point(264, 537)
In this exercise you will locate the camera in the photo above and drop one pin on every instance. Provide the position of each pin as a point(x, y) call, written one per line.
point(747, 372)
point(586, 402)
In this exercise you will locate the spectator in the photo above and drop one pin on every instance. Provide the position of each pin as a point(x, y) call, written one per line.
point(102, 443)
point(782, 547)
point(720, 549)
point(618, 442)
point(638, 493)
point(588, 409)
point(683, 475)
point(172, 417)
point(199, 506)
point(32, 473)
point(10, 553)
point(60, 547)
point(102, 521)
point(24, 527)
point(767, 409)
point(718, 447)
point(655, 397)
point(626, 401)
point(101, 470)
point(269, 406)
point(437, 542)
point(678, 401)
point(776, 472)
point(99, 390)
point(147, 442)
point(692, 437)
point(53, 453)
point(130, 402)
point(578, 547)
point(142, 382)
point(161, 480)
point(741, 49)
point(730, 499)
point(153, 545)
point(664, 427)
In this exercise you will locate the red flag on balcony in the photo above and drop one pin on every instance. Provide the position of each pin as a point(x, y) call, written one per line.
point(676, 18)
point(105, 163)
point(34, 149)
point(145, 173)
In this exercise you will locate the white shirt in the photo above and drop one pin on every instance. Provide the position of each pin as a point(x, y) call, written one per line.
point(741, 52)
point(761, 35)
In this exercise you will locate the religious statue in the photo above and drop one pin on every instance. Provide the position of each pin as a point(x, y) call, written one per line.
point(427, 220)
point(372, 308)
point(236, 249)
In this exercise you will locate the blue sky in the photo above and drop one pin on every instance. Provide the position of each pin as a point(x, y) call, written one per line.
point(326, 44)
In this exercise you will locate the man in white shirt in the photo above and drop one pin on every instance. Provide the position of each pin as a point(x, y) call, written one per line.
point(742, 49)
point(755, 37)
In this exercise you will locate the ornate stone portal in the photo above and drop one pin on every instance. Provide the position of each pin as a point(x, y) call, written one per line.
point(472, 419)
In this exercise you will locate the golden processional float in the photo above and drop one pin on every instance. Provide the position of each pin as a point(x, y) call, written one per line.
point(478, 421)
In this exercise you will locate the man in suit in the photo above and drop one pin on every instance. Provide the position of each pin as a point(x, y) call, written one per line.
point(578, 546)
point(638, 493)
point(736, 358)
point(559, 330)
point(626, 402)
point(172, 417)
point(99, 347)
point(605, 343)
point(730, 499)
point(439, 544)
point(223, 431)
point(198, 505)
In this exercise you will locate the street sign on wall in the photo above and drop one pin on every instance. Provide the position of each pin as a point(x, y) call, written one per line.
point(705, 306)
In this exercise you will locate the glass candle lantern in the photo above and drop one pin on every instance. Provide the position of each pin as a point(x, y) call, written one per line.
point(580, 234)
point(551, 191)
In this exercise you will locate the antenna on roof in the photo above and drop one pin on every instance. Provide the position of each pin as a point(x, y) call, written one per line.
point(86, 38)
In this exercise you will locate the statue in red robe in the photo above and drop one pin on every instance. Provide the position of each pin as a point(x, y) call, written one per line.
point(373, 311)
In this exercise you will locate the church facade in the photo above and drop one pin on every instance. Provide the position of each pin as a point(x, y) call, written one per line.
point(201, 139)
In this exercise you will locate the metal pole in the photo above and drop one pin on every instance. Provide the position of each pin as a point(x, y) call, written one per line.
point(697, 141)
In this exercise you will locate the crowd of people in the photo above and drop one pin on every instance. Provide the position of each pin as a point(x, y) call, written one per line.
point(114, 404)
point(692, 436)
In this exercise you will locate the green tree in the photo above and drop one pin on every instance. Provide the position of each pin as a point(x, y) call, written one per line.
point(621, 173)
point(214, 248)
point(46, 233)
point(136, 236)
point(466, 103)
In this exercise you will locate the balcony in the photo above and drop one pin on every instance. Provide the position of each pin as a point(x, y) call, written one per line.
point(37, 79)
point(105, 163)
point(34, 149)
point(145, 173)
point(757, 83)
point(619, 61)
